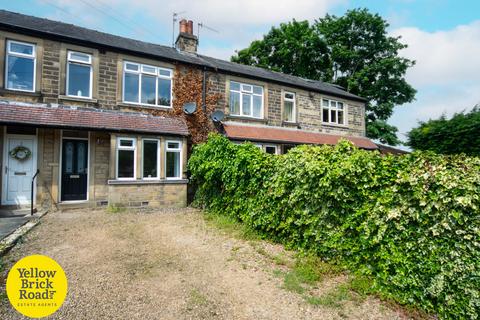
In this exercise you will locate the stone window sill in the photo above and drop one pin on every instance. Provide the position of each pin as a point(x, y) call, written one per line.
point(4, 91)
point(143, 106)
point(140, 182)
point(343, 126)
point(78, 99)
point(290, 124)
point(232, 117)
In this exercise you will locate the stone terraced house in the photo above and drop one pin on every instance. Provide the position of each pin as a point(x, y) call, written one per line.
point(99, 117)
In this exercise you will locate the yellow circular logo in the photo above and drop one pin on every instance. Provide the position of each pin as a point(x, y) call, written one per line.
point(36, 286)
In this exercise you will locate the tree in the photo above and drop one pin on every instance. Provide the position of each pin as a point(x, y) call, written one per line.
point(292, 48)
point(460, 134)
point(362, 58)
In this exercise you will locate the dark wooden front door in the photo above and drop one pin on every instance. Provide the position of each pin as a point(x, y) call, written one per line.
point(74, 169)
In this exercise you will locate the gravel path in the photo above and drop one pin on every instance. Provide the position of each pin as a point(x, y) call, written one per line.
point(168, 264)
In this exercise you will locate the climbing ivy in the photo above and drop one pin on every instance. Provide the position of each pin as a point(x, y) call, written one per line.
point(411, 223)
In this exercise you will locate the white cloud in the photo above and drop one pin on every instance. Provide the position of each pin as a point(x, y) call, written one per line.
point(444, 56)
point(446, 74)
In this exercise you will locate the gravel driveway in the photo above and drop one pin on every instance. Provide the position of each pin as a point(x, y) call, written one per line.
point(168, 264)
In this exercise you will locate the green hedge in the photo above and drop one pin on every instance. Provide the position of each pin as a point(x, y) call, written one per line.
point(411, 223)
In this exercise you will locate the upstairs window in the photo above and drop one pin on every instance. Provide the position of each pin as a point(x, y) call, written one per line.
point(173, 162)
point(79, 74)
point(20, 66)
point(289, 106)
point(126, 158)
point(246, 100)
point(147, 85)
point(333, 112)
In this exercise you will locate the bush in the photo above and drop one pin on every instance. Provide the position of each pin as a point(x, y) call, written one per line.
point(411, 223)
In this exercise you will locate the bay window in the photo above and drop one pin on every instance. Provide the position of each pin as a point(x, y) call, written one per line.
point(147, 85)
point(173, 162)
point(79, 75)
point(333, 112)
point(246, 100)
point(289, 106)
point(20, 66)
point(126, 158)
point(150, 159)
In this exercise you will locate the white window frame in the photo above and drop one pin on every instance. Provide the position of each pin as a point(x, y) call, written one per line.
point(243, 91)
point(141, 71)
point(294, 110)
point(271, 146)
point(336, 109)
point(179, 149)
point(158, 158)
point(32, 56)
point(134, 148)
point(82, 63)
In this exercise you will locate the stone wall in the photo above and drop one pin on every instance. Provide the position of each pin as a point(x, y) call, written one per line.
point(152, 195)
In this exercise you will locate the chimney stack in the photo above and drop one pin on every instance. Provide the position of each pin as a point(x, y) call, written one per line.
point(186, 40)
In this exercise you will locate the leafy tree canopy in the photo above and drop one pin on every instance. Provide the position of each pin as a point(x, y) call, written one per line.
point(353, 51)
point(459, 134)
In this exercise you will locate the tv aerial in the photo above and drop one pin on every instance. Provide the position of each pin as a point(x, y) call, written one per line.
point(203, 25)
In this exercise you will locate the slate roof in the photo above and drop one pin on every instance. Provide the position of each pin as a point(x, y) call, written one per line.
point(281, 135)
point(44, 115)
point(16, 22)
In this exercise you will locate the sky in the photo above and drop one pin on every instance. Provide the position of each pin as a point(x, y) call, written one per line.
point(443, 36)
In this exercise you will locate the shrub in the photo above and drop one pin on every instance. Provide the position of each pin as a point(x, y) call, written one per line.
point(410, 223)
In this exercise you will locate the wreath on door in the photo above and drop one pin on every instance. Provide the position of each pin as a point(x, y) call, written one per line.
point(20, 153)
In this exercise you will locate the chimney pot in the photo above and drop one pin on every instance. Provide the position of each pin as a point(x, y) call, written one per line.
point(183, 26)
point(190, 27)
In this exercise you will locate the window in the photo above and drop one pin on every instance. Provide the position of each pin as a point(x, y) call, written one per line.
point(271, 149)
point(79, 74)
point(173, 161)
point(150, 158)
point(333, 112)
point(20, 66)
point(126, 155)
point(289, 106)
point(246, 100)
point(147, 85)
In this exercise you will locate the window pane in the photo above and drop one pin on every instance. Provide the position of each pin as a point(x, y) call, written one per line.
point(257, 90)
point(271, 149)
point(164, 92)
point(325, 103)
point(149, 69)
point(148, 89)
point(340, 117)
point(80, 57)
point(257, 106)
point(78, 80)
point(246, 104)
point(21, 48)
point(126, 143)
point(165, 73)
point(126, 163)
point(131, 66)
point(340, 105)
point(68, 157)
point(173, 145)
point(246, 87)
point(131, 87)
point(173, 164)
point(150, 159)
point(235, 103)
point(20, 73)
point(288, 109)
point(333, 116)
point(325, 115)
point(234, 86)
point(289, 96)
point(81, 158)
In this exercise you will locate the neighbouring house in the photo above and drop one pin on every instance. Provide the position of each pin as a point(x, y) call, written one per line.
point(100, 116)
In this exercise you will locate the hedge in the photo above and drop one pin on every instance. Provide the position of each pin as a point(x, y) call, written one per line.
point(410, 223)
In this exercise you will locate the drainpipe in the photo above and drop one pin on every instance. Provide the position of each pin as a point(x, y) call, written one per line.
point(204, 91)
point(31, 192)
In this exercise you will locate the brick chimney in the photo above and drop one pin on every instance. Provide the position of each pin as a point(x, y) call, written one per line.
point(186, 40)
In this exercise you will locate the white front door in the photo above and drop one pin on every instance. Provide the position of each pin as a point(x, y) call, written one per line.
point(17, 174)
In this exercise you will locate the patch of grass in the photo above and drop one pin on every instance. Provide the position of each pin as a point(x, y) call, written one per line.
point(293, 282)
point(114, 209)
point(332, 299)
point(197, 298)
point(361, 285)
point(231, 226)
